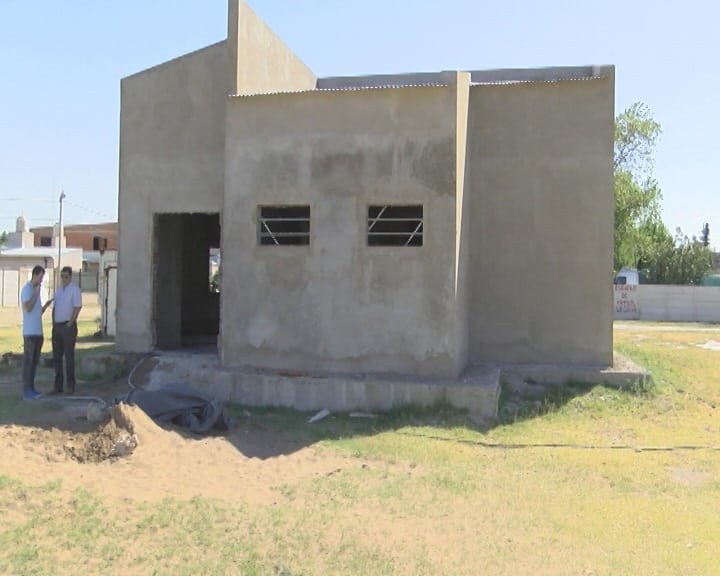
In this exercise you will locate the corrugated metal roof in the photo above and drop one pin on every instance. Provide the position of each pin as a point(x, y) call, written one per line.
point(498, 76)
point(553, 81)
point(343, 89)
point(548, 74)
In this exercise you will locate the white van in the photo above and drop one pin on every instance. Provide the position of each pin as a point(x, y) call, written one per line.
point(627, 276)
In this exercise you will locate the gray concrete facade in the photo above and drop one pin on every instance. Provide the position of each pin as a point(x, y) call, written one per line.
point(172, 159)
point(540, 171)
point(338, 304)
point(512, 168)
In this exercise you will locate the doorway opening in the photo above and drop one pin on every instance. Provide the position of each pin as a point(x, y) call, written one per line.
point(186, 301)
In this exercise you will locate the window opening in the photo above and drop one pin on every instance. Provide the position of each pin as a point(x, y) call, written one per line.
point(284, 225)
point(395, 225)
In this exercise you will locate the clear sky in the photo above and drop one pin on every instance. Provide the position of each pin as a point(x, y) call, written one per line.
point(61, 62)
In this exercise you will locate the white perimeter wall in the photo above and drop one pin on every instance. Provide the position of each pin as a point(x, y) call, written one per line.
point(668, 303)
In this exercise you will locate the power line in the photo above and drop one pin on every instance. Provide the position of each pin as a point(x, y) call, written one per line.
point(90, 210)
point(29, 199)
point(103, 215)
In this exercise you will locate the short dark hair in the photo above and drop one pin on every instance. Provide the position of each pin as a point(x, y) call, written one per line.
point(38, 270)
point(66, 270)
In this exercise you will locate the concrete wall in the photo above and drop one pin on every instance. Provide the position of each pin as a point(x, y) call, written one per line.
point(172, 140)
point(540, 177)
point(667, 303)
point(9, 288)
point(258, 60)
point(337, 304)
point(14, 276)
point(107, 292)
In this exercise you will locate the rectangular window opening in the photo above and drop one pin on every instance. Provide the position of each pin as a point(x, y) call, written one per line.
point(284, 225)
point(99, 243)
point(395, 225)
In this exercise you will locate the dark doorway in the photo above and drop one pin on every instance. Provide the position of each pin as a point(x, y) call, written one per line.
point(187, 310)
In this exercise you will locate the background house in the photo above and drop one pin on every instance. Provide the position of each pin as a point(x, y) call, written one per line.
point(89, 237)
point(19, 257)
point(94, 239)
point(409, 224)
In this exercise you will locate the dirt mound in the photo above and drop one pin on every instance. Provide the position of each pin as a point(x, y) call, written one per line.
point(126, 428)
point(128, 456)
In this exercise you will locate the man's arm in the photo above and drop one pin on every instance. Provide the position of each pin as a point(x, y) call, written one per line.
point(30, 302)
point(74, 315)
point(77, 306)
point(45, 306)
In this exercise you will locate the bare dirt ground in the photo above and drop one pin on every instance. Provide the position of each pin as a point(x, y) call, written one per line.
point(53, 439)
point(248, 464)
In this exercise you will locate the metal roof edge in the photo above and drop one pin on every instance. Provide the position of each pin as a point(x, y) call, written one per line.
point(506, 75)
point(343, 89)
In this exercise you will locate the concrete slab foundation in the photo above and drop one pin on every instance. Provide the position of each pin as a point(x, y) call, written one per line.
point(477, 391)
point(623, 374)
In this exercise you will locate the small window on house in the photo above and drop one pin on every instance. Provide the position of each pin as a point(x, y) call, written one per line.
point(284, 225)
point(395, 226)
point(45, 241)
point(99, 243)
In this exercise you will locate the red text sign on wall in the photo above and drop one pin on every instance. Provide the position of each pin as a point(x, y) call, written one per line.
point(626, 299)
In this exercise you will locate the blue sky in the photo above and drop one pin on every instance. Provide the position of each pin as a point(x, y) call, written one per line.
point(61, 64)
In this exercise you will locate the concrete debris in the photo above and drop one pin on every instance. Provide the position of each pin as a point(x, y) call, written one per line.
point(124, 445)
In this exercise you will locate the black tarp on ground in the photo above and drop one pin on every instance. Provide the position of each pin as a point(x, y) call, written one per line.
point(181, 405)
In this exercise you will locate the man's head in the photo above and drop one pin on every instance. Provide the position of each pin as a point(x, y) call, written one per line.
point(65, 275)
point(38, 272)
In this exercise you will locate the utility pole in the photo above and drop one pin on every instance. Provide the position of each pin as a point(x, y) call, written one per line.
point(60, 237)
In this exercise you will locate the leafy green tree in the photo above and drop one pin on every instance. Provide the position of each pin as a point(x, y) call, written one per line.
point(215, 282)
point(678, 260)
point(705, 235)
point(3, 238)
point(641, 238)
point(637, 194)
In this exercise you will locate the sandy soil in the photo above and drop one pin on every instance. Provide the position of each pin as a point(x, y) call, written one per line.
point(130, 456)
point(247, 464)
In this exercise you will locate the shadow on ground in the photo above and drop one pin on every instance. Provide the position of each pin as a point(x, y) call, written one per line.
point(263, 432)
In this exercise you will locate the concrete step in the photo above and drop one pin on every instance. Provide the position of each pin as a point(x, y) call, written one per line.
point(477, 390)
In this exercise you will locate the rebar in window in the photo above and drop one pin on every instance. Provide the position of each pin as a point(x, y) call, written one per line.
point(395, 225)
point(284, 225)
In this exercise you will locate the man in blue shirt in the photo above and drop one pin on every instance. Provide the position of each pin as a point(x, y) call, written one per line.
point(66, 307)
point(32, 330)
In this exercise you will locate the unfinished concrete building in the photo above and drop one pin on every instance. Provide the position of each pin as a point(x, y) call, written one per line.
point(415, 224)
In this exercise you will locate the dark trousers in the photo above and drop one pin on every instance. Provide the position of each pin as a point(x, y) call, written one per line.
point(63, 344)
point(32, 345)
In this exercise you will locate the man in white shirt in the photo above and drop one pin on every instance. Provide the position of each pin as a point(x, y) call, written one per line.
point(66, 307)
point(32, 330)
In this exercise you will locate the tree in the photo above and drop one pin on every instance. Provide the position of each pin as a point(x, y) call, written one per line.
point(637, 194)
point(641, 238)
point(215, 282)
point(705, 235)
point(678, 260)
point(3, 238)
